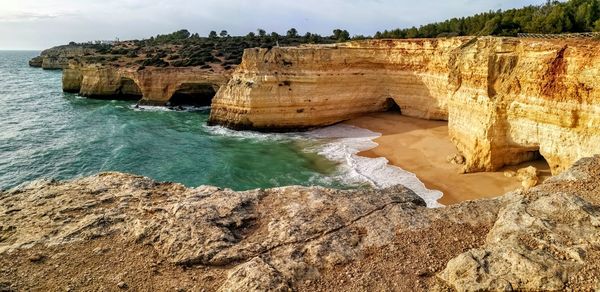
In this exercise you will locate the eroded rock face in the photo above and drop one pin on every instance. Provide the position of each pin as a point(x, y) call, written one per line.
point(541, 238)
point(513, 97)
point(36, 61)
point(308, 86)
point(505, 99)
point(152, 86)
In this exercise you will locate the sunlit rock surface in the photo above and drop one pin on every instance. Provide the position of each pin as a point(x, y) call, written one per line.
point(506, 100)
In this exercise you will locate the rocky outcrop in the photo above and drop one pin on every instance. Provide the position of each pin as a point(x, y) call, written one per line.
point(278, 239)
point(36, 61)
point(506, 100)
point(541, 241)
point(59, 57)
point(153, 86)
point(212, 227)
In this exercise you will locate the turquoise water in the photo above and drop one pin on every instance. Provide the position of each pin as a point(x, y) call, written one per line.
point(45, 133)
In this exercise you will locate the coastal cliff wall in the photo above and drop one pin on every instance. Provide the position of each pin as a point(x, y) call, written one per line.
point(312, 86)
point(506, 100)
point(153, 86)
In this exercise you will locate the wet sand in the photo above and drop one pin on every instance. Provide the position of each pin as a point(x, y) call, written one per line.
point(422, 147)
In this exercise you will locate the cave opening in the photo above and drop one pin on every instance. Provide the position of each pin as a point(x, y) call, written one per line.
point(128, 90)
point(539, 161)
point(193, 94)
point(392, 106)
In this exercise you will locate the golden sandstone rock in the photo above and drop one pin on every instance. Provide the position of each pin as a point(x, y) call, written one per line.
point(506, 100)
point(155, 86)
point(528, 177)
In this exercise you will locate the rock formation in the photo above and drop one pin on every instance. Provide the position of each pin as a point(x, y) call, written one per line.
point(308, 86)
point(153, 85)
point(291, 237)
point(506, 100)
point(542, 239)
point(59, 57)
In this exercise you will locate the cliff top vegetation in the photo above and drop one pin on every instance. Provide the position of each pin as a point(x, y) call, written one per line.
point(220, 51)
point(553, 17)
point(184, 49)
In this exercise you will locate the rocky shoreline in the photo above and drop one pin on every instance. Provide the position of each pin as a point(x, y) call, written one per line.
point(87, 233)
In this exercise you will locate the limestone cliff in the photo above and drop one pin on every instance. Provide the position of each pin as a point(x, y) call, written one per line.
point(90, 233)
point(506, 100)
point(153, 85)
point(320, 85)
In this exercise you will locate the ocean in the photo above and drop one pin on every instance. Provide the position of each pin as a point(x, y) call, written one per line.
point(48, 134)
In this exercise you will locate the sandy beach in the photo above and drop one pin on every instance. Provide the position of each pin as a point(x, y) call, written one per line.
point(422, 147)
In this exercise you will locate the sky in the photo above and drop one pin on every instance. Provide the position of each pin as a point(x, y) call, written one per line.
point(40, 24)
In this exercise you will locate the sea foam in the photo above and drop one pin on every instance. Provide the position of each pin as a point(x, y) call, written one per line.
point(341, 143)
point(152, 108)
point(347, 141)
point(253, 135)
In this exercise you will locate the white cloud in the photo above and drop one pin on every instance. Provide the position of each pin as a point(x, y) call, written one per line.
point(39, 24)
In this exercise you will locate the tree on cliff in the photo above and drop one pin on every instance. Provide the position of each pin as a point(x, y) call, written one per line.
point(292, 33)
point(341, 35)
point(212, 34)
point(224, 33)
point(250, 36)
point(551, 17)
point(174, 36)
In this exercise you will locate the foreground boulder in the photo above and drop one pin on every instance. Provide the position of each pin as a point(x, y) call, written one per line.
point(541, 240)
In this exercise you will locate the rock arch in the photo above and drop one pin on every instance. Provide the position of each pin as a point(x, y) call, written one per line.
point(128, 90)
point(194, 94)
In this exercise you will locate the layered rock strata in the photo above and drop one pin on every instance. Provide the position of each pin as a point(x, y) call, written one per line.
point(308, 86)
point(153, 86)
point(506, 100)
point(286, 238)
